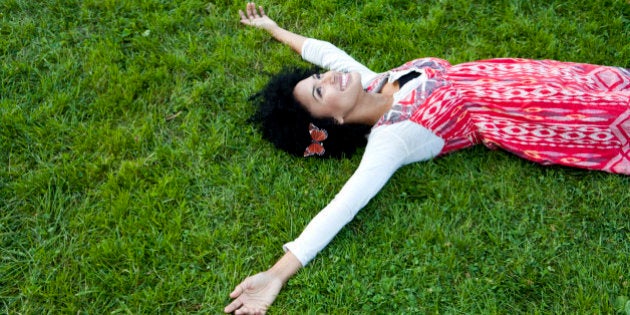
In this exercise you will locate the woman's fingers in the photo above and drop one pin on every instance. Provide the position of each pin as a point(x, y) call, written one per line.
point(251, 10)
point(243, 17)
point(238, 290)
point(236, 304)
point(249, 14)
point(246, 310)
point(255, 16)
point(252, 13)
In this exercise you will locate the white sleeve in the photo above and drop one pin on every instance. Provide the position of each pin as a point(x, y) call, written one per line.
point(389, 148)
point(329, 56)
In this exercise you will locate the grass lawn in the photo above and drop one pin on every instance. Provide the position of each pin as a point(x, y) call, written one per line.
point(132, 183)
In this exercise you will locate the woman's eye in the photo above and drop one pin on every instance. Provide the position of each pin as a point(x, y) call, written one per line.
point(318, 76)
point(319, 92)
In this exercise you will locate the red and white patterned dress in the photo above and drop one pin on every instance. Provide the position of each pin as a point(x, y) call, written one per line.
point(546, 111)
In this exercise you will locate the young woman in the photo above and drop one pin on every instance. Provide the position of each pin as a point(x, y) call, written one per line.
point(545, 111)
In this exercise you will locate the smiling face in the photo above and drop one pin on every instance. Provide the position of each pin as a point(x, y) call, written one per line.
point(332, 94)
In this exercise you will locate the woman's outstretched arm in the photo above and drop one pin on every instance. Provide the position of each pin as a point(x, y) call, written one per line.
point(256, 17)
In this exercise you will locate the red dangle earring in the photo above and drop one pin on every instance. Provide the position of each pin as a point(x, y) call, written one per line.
point(317, 137)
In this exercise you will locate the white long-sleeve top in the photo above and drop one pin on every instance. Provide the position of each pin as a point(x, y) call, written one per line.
point(389, 147)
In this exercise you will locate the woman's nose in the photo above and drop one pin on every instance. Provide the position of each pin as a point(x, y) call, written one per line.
point(329, 77)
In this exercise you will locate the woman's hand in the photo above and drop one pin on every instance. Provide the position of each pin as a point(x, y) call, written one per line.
point(255, 294)
point(253, 18)
point(258, 18)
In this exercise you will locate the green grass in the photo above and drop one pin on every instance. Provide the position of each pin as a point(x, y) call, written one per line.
point(132, 183)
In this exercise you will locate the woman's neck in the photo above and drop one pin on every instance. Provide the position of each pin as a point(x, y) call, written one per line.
point(372, 106)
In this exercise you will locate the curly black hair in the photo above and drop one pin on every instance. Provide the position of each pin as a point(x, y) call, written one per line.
point(284, 122)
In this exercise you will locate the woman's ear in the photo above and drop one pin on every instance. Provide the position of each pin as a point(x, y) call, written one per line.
point(339, 120)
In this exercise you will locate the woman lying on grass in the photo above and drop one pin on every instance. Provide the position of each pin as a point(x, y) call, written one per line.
point(546, 111)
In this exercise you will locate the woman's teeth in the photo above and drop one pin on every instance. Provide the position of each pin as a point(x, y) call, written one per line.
point(344, 81)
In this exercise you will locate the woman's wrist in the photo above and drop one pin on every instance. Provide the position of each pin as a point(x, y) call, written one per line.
point(285, 267)
point(293, 40)
point(273, 29)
